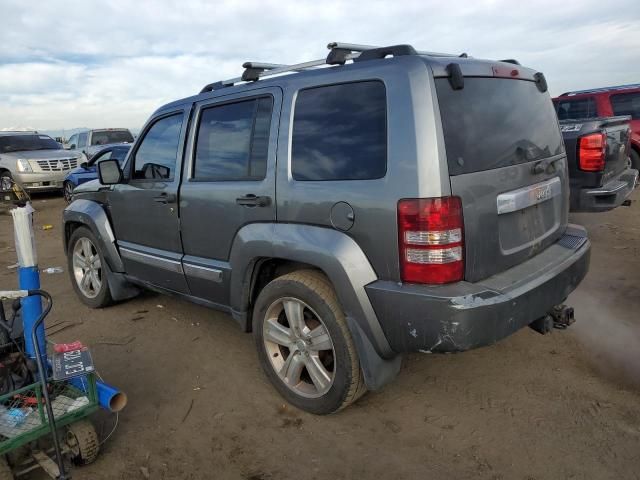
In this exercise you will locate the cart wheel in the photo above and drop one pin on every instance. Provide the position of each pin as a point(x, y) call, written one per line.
point(5, 470)
point(82, 441)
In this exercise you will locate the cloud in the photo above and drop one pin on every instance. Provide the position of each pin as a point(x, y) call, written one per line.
point(68, 64)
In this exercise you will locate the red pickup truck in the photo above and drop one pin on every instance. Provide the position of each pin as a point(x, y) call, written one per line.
point(605, 102)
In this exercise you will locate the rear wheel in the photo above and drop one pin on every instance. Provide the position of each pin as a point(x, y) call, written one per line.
point(67, 190)
point(304, 344)
point(85, 263)
point(82, 440)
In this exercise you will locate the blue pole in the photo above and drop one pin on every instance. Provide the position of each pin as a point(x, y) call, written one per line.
point(29, 279)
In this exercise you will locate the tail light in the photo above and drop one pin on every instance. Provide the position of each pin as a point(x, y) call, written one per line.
point(430, 240)
point(591, 152)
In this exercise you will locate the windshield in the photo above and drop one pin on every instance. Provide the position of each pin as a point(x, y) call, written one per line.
point(496, 122)
point(111, 136)
point(17, 143)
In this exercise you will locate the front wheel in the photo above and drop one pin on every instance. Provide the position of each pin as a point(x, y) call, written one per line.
point(67, 190)
point(6, 181)
point(86, 268)
point(304, 344)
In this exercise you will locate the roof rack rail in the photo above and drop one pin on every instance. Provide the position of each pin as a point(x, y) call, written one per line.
point(338, 55)
point(510, 60)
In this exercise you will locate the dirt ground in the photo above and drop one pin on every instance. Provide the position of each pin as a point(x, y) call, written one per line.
point(561, 406)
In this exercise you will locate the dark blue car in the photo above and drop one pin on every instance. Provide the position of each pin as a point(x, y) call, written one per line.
point(89, 170)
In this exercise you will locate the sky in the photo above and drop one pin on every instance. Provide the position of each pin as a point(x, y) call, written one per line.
point(68, 64)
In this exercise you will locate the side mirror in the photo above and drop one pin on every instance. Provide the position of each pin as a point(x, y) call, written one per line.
point(109, 172)
point(84, 165)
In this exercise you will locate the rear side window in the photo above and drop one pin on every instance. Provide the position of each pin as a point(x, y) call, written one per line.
point(157, 155)
point(626, 104)
point(233, 141)
point(576, 109)
point(340, 132)
point(496, 122)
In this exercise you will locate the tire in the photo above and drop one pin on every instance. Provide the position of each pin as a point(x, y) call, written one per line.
point(67, 190)
point(6, 180)
point(82, 440)
point(635, 159)
point(315, 368)
point(94, 291)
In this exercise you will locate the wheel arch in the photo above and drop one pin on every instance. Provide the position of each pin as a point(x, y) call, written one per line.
point(262, 251)
point(92, 215)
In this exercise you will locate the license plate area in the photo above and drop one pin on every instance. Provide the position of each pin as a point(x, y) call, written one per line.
point(71, 364)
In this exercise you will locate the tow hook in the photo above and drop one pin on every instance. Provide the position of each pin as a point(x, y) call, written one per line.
point(560, 316)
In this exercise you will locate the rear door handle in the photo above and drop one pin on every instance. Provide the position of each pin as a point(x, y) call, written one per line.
point(251, 200)
point(165, 198)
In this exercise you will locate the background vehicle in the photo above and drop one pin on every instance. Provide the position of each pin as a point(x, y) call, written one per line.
point(92, 141)
point(88, 171)
point(33, 160)
point(605, 102)
point(599, 166)
point(345, 215)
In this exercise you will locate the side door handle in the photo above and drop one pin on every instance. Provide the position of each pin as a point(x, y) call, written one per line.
point(251, 200)
point(165, 198)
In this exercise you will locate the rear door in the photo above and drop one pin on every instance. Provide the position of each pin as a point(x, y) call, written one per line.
point(144, 210)
point(229, 182)
point(507, 163)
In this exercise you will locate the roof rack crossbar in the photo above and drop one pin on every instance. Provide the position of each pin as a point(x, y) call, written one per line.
point(354, 47)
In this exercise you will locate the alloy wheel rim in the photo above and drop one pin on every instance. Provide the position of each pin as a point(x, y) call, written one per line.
point(87, 267)
point(299, 347)
point(5, 183)
point(68, 191)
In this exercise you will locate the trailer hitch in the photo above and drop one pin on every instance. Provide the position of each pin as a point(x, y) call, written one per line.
point(563, 316)
point(560, 316)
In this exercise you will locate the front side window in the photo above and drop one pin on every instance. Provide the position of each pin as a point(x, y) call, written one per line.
point(340, 132)
point(157, 156)
point(233, 141)
point(577, 109)
point(626, 104)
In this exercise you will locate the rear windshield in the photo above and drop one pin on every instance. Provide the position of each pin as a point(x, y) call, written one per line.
point(18, 143)
point(576, 109)
point(112, 136)
point(496, 122)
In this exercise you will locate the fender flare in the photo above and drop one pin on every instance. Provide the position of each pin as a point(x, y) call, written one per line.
point(333, 252)
point(92, 215)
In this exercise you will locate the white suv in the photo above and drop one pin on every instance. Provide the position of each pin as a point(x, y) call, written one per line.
point(35, 161)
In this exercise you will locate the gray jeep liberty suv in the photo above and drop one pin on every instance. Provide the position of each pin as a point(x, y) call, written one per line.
point(346, 210)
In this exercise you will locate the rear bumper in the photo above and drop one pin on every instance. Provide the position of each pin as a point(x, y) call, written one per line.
point(607, 197)
point(40, 181)
point(465, 315)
